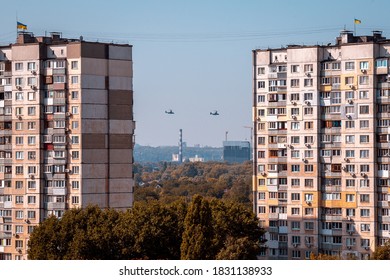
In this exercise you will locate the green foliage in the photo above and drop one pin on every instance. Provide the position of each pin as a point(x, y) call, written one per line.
point(382, 252)
point(323, 257)
point(198, 231)
point(201, 229)
point(167, 182)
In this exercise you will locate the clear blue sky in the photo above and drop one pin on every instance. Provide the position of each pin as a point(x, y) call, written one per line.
point(194, 56)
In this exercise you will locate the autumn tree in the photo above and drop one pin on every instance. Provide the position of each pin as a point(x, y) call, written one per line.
point(198, 231)
point(382, 252)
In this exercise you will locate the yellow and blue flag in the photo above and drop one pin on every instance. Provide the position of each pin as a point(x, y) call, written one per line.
point(21, 25)
point(357, 21)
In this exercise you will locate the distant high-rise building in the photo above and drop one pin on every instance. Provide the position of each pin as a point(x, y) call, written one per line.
point(321, 147)
point(66, 132)
point(236, 151)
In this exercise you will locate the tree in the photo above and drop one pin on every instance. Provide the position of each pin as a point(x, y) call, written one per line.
point(44, 243)
point(236, 230)
point(198, 231)
point(202, 229)
point(382, 252)
point(323, 257)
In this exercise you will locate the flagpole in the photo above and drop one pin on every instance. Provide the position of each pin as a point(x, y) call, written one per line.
point(16, 25)
point(354, 27)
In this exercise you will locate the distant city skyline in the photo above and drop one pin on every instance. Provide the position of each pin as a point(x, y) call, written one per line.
point(195, 57)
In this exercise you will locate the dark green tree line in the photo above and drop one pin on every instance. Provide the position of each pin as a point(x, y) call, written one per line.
point(201, 229)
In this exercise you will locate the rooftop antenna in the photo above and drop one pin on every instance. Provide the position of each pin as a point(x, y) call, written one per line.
point(226, 134)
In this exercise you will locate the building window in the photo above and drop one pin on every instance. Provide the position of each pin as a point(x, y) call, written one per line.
point(18, 96)
point(309, 211)
point(31, 155)
point(364, 124)
point(363, 80)
point(261, 84)
point(350, 198)
point(31, 199)
point(349, 109)
point(31, 184)
point(31, 214)
point(75, 154)
point(75, 185)
point(30, 66)
point(19, 170)
point(18, 66)
point(295, 196)
point(19, 140)
point(58, 79)
point(364, 65)
point(295, 125)
point(349, 124)
point(76, 200)
point(381, 62)
point(75, 79)
point(75, 169)
point(350, 65)
point(19, 229)
point(74, 65)
point(309, 125)
point(295, 211)
point(261, 71)
point(365, 198)
point(261, 98)
point(308, 82)
point(365, 227)
point(309, 168)
point(295, 182)
point(294, 68)
point(75, 110)
point(294, 82)
point(363, 94)
point(19, 214)
point(349, 80)
point(364, 139)
point(31, 81)
point(295, 168)
point(364, 183)
point(294, 97)
point(31, 111)
point(31, 125)
point(364, 153)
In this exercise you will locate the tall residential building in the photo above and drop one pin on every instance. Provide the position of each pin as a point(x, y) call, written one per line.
point(66, 131)
point(321, 147)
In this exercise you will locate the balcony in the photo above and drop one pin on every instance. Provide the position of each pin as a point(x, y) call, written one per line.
point(55, 205)
point(385, 85)
point(331, 188)
point(330, 246)
point(331, 217)
point(56, 191)
point(7, 204)
point(59, 101)
point(59, 71)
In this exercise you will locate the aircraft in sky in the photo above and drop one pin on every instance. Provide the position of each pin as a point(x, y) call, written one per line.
point(214, 113)
point(170, 112)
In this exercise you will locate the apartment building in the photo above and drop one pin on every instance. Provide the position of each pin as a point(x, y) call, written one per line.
point(66, 131)
point(321, 147)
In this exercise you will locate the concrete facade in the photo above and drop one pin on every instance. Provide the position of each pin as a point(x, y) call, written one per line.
point(321, 147)
point(66, 132)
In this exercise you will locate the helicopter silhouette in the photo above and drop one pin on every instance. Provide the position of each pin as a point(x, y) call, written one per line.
point(170, 112)
point(214, 113)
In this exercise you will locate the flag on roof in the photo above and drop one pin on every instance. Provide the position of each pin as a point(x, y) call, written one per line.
point(357, 21)
point(21, 25)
